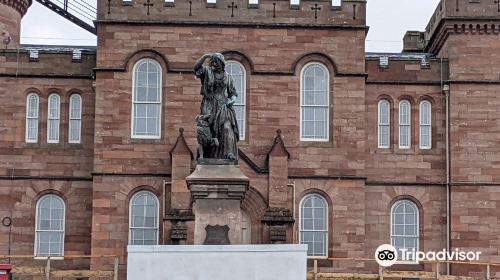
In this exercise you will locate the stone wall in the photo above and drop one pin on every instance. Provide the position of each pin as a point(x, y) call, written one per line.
point(475, 226)
point(18, 158)
point(274, 58)
point(413, 165)
point(18, 200)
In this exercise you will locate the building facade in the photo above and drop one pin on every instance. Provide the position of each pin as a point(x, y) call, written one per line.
point(345, 150)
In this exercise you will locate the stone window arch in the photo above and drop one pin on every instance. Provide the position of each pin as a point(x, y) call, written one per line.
point(404, 124)
point(314, 224)
point(49, 226)
point(384, 123)
point(144, 219)
point(146, 99)
point(314, 102)
point(405, 226)
point(238, 73)
point(425, 125)
point(32, 115)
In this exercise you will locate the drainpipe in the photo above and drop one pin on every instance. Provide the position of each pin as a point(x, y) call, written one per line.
point(446, 91)
point(292, 185)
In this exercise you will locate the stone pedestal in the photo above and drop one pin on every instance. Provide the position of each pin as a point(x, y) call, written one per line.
point(217, 188)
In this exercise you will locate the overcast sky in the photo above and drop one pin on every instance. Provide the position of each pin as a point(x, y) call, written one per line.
point(388, 21)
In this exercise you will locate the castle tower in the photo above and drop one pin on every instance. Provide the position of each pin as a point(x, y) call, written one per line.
point(11, 12)
point(466, 33)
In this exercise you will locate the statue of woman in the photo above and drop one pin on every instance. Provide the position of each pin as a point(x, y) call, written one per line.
point(219, 95)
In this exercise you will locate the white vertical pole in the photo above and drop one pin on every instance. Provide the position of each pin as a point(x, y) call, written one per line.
point(315, 271)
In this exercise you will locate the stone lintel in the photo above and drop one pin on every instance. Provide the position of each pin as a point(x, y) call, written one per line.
point(278, 216)
point(227, 191)
point(216, 161)
point(179, 215)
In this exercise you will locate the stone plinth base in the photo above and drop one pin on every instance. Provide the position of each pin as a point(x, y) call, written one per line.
point(217, 189)
point(241, 262)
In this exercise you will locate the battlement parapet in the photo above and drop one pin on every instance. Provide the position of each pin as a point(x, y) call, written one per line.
point(457, 10)
point(235, 12)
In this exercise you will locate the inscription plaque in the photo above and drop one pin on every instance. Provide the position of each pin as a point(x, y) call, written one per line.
point(217, 235)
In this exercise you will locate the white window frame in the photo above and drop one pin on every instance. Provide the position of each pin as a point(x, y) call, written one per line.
point(326, 224)
point(159, 103)
point(35, 118)
point(57, 118)
point(327, 73)
point(156, 227)
point(380, 124)
point(73, 118)
point(417, 226)
point(37, 230)
point(429, 125)
point(405, 124)
point(243, 94)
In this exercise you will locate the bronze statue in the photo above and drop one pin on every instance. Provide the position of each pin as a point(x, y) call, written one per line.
point(216, 110)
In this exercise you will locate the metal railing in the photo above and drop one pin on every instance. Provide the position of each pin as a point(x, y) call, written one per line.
point(49, 272)
point(386, 272)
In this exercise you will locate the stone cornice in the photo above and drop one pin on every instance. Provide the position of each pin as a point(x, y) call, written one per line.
point(458, 25)
point(19, 5)
point(218, 24)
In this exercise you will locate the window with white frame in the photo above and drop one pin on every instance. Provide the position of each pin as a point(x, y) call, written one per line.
point(425, 125)
point(146, 100)
point(238, 73)
point(404, 124)
point(384, 124)
point(314, 225)
point(144, 213)
point(314, 103)
point(50, 220)
point(405, 226)
point(32, 108)
point(75, 118)
point(53, 118)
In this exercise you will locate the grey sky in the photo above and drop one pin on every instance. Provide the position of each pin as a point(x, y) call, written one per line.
point(388, 21)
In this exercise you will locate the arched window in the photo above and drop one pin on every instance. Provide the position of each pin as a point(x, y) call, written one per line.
point(425, 125)
point(384, 124)
point(144, 213)
point(404, 226)
point(314, 225)
point(32, 107)
point(237, 71)
point(49, 236)
point(314, 102)
point(53, 118)
point(146, 100)
point(75, 118)
point(404, 124)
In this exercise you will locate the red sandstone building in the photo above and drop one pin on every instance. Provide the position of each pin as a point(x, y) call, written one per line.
point(345, 150)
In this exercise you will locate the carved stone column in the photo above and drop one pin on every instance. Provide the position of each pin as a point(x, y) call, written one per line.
point(278, 220)
point(278, 216)
point(178, 228)
point(177, 205)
